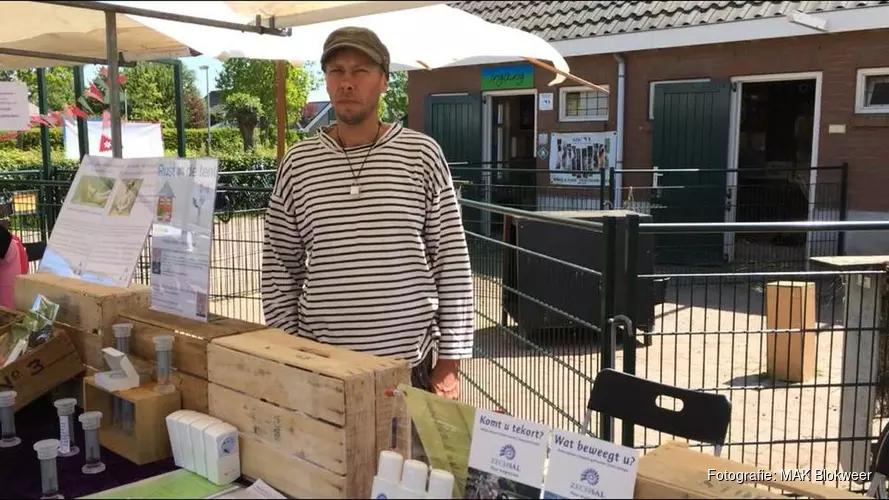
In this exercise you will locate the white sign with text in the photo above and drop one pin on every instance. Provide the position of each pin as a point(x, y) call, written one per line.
point(585, 467)
point(14, 106)
point(506, 457)
point(182, 237)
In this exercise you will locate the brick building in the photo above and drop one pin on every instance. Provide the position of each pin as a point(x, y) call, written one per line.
point(765, 100)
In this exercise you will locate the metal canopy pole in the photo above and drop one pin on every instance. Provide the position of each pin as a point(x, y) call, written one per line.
point(135, 11)
point(59, 57)
point(113, 83)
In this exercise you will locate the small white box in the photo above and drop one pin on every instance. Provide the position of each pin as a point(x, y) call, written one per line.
point(223, 455)
point(183, 435)
point(173, 431)
point(196, 441)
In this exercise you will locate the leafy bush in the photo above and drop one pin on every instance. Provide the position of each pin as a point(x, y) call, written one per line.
point(223, 141)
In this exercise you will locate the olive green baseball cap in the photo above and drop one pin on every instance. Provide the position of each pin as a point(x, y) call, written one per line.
point(361, 39)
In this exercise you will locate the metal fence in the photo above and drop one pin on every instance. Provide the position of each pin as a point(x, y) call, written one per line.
point(547, 290)
point(798, 353)
point(679, 195)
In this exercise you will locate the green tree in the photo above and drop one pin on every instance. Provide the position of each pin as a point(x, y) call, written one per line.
point(256, 78)
point(393, 104)
point(246, 111)
point(151, 95)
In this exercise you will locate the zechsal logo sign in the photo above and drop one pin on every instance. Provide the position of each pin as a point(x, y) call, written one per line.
point(586, 485)
point(504, 461)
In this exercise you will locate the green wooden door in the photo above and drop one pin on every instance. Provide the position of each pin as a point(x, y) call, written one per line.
point(690, 132)
point(455, 121)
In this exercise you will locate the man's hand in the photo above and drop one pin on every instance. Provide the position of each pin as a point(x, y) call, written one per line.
point(445, 378)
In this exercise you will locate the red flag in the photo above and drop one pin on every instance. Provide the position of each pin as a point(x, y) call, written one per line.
point(78, 112)
point(94, 92)
point(104, 143)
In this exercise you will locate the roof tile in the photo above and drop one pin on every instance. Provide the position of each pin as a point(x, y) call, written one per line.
point(564, 20)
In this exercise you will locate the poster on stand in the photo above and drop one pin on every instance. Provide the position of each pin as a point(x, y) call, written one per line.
point(506, 457)
point(585, 467)
point(182, 237)
point(104, 221)
point(581, 158)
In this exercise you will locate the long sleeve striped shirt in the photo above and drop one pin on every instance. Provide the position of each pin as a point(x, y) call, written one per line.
point(385, 271)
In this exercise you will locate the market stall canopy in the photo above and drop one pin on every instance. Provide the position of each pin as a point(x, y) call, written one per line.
point(52, 28)
point(421, 37)
point(303, 13)
point(432, 37)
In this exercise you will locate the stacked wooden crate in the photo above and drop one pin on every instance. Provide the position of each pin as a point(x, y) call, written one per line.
point(89, 307)
point(191, 340)
point(313, 418)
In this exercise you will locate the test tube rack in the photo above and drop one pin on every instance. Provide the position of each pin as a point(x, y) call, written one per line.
point(149, 441)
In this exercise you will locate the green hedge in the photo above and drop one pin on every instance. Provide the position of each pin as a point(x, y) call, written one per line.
point(223, 140)
point(244, 191)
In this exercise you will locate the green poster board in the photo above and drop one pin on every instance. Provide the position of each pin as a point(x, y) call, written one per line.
point(508, 77)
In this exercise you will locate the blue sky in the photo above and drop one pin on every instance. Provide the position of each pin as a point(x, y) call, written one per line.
point(215, 67)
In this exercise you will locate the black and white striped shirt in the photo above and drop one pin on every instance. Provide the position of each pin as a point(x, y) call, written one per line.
point(384, 272)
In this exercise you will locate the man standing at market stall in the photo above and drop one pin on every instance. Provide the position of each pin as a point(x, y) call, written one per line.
point(364, 245)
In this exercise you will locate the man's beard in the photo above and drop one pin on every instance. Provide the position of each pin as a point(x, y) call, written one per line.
point(353, 119)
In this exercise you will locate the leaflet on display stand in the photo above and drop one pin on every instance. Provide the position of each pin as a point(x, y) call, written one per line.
point(182, 237)
point(506, 457)
point(585, 467)
point(104, 221)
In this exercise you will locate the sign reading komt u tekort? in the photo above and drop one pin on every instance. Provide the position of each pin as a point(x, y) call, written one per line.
point(506, 457)
point(586, 467)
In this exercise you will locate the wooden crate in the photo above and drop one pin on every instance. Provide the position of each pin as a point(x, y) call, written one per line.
point(43, 369)
point(674, 471)
point(790, 305)
point(191, 337)
point(313, 418)
point(149, 441)
point(90, 307)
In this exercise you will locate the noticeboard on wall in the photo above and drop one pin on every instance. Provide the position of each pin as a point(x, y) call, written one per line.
point(519, 76)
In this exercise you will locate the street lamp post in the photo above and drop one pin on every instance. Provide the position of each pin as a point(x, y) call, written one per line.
point(206, 69)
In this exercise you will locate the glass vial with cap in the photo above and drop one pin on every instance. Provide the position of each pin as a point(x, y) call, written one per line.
point(122, 410)
point(91, 421)
point(8, 439)
point(163, 347)
point(67, 444)
point(47, 451)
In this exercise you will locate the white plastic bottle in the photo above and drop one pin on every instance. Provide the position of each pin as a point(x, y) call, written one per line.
point(386, 482)
point(413, 479)
point(441, 485)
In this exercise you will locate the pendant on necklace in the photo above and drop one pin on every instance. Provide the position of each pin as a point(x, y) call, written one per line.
point(355, 191)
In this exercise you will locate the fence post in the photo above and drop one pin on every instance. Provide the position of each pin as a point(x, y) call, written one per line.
point(844, 201)
point(46, 195)
point(631, 275)
point(606, 353)
point(603, 178)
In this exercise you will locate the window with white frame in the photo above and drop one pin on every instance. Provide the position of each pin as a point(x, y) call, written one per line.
point(872, 91)
point(652, 85)
point(583, 104)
